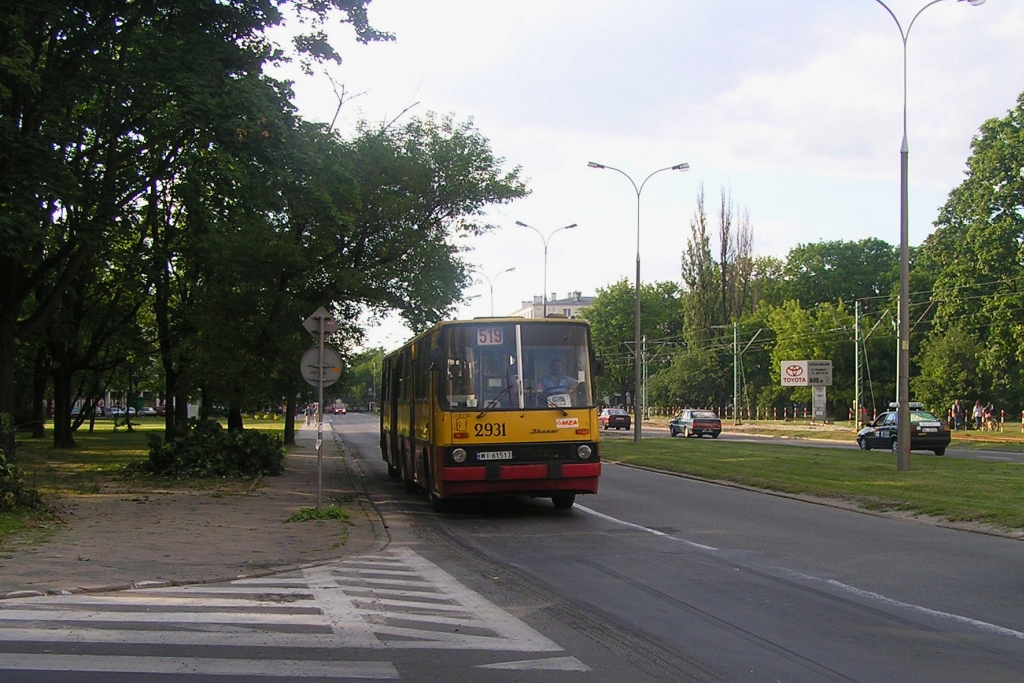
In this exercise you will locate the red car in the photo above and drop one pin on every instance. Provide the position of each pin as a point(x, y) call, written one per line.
point(614, 418)
point(692, 422)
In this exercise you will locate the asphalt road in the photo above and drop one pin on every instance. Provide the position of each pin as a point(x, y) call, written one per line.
point(968, 453)
point(665, 578)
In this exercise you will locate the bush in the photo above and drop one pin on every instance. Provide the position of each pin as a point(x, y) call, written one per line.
point(208, 450)
point(13, 493)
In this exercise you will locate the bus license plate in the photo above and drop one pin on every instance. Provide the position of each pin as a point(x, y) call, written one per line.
point(495, 455)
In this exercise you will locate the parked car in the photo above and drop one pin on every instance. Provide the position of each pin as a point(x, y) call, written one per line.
point(927, 432)
point(694, 422)
point(616, 418)
point(147, 411)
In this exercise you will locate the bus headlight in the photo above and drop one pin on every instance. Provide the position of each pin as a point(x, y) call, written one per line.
point(459, 455)
point(584, 452)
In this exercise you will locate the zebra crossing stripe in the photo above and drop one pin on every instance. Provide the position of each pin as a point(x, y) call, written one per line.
point(294, 668)
point(482, 626)
point(397, 600)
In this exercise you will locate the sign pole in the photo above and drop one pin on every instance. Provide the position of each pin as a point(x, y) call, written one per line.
point(320, 420)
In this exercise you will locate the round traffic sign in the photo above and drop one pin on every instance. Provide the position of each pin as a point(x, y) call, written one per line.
point(310, 366)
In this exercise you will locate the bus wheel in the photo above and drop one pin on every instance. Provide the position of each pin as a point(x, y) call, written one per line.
point(563, 501)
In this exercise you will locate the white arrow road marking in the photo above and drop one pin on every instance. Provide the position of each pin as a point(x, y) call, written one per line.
point(553, 664)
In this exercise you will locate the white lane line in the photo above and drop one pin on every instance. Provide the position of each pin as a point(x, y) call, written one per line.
point(614, 520)
point(296, 668)
point(981, 625)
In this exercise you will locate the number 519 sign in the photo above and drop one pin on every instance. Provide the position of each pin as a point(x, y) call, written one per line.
point(489, 336)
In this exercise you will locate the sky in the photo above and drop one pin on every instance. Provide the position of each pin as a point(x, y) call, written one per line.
point(793, 107)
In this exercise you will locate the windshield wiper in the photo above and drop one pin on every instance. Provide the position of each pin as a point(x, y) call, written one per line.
point(494, 401)
point(548, 401)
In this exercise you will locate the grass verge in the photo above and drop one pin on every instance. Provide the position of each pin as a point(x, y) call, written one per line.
point(105, 460)
point(955, 489)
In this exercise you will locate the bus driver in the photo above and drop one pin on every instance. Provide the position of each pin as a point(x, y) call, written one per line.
point(556, 382)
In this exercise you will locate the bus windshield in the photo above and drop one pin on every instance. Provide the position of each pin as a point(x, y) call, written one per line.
point(510, 366)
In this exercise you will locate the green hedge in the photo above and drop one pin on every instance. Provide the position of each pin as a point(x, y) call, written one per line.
point(209, 450)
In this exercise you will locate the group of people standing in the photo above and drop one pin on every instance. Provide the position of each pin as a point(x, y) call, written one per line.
point(983, 416)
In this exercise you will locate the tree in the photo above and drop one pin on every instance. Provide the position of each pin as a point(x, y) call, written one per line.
point(840, 271)
point(949, 363)
point(977, 259)
point(96, 101)
point(822, 333)
point(612, 318)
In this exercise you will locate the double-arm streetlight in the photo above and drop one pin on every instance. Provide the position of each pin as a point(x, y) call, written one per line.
point(491, 281)
point(903, 352)
point(545, 240)
point(638, 406)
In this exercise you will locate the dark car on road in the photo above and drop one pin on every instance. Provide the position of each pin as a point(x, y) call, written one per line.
point(927, 432)
point(614, 418)
point(695, 422)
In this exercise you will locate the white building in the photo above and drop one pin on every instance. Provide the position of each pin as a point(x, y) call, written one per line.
point(569, 306)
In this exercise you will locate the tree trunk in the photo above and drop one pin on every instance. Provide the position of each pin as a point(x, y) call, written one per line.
point(181, 408)
point(39, 379)
point(289, 421)
point(171, 423)
point(235, 420)
point(8, 352)
point(63, 437)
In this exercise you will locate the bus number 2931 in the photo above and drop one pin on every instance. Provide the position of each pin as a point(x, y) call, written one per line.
point(490, 429)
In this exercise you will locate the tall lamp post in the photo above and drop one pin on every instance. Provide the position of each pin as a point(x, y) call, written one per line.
point(638, 376)
point(903, 352)
point(545, 240)
point(491, 281)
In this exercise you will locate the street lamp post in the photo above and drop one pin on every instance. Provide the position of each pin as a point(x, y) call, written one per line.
point(903, 352)
point(491, 281)
point(545, 240)
point(638, 406)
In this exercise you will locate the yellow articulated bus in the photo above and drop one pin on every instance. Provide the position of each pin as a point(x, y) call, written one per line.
point(490, 407)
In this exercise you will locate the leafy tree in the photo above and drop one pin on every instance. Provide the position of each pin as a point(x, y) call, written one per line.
point(822, 333)
point(976, 258)
point(97, 99)
point(949, 369)
point(695, 378)
point(612, 319)
point(360, 380)
point(840, 271)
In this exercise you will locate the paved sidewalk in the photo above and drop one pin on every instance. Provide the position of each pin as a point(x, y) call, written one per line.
point(119, 540)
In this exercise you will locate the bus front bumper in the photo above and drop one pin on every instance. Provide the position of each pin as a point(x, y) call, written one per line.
point(527, 478)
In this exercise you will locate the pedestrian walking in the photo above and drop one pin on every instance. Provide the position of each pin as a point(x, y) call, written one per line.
point(978, 414)
point(958, 415)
